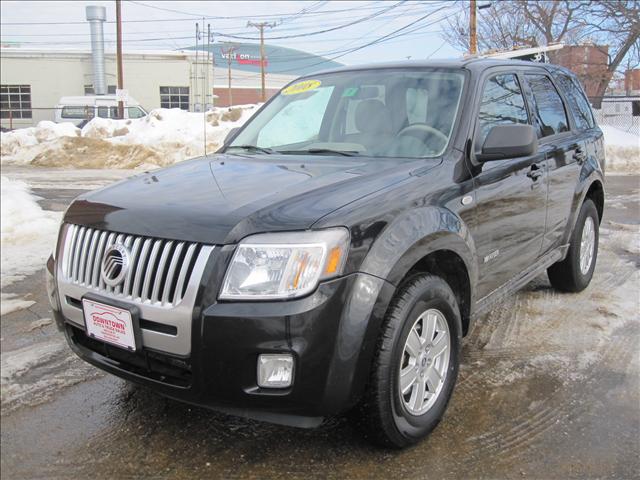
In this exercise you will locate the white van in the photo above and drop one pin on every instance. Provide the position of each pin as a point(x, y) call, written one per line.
point(79, 109)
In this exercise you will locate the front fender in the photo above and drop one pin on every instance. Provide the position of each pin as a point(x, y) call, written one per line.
point(415, 234)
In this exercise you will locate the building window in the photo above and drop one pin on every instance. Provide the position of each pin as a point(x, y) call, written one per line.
point(89, 90)
point(174, 97)
point(15, 101)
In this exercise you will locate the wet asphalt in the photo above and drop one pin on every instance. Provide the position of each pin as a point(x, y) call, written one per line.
point(549, 387)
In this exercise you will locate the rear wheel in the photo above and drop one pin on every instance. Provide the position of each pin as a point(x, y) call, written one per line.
point(574, 273)
point(416, 364)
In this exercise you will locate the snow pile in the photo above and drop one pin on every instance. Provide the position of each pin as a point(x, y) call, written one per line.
point(28, 233)
point(163, 137)
point(622, 150)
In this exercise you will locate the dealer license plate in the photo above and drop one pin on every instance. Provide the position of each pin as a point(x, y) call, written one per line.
point(110, 324)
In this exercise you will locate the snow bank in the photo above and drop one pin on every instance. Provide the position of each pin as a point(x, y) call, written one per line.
point(163, 137)
point(622, 150)
point(28, 233)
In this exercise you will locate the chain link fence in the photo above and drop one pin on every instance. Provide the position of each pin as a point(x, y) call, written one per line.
point(622, 113)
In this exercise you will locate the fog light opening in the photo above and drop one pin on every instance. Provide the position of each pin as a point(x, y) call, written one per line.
point(275, 370)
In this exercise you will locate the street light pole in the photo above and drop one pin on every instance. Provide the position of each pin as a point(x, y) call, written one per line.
point(473, 38)
point(261, 26)
point(119, 54)
point(229, 54)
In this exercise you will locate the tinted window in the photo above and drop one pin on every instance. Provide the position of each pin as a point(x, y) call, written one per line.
point(135, 112)
point(417, 102)
point(77, 112)
point(353, 97)
point(502, 103)
point(549, 112)
point(298, 121)
point(394, 113)
point(578, 103)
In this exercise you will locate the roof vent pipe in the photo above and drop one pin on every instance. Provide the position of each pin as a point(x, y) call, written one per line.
point(96, 16)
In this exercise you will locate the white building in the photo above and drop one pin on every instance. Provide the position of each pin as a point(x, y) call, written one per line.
point(33, 81)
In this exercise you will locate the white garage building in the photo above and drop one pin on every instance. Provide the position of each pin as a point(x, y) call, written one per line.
point(33, 81)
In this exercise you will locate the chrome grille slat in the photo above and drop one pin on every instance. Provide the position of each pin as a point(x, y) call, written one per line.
point(136, 292)
point(177, 296)
point(110, 239)
point(170, 274)
point(158, 269)
point(77, 249)
point(88, 277)
point(134, 255)
point(151, 270)
point(68, 248)
point(83, 261)
point(98, 259)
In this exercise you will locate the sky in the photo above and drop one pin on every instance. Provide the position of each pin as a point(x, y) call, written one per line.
point(402, 29)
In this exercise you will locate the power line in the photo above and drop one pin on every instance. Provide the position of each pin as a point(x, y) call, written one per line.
point(295, 27)
point(206, 17)
point(318, 32)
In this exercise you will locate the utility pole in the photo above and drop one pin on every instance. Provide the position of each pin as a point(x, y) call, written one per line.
point(230, 51)
point(473, 37)
point(119, 54)
point(261, 26)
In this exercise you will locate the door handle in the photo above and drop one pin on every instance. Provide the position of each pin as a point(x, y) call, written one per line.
point(535, 172)
point(579, 155)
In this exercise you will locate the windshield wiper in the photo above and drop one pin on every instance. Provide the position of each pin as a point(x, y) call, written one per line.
point(346, 153)
point(254, 148)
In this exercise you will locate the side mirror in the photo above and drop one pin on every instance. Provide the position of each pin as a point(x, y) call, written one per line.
point(231, 134)
point(509, 141)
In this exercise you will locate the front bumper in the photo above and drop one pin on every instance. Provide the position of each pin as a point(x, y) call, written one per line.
point(332, 334)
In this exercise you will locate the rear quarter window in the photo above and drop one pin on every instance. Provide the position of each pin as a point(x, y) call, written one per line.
point(577, 102)
point(548, 111)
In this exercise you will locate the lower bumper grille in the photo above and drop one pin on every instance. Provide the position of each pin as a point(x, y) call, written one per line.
point(153, 365)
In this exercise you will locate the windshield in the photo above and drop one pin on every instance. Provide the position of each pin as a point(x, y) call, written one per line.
point(380, 113)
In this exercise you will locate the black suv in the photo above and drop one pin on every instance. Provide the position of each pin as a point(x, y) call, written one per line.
point(332, 255)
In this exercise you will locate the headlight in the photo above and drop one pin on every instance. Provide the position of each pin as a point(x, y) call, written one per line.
point(284, 265)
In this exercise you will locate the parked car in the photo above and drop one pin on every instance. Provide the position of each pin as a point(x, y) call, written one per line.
point(335, 251)
point(79, 110)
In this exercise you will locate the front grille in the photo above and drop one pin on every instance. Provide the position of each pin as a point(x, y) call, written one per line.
point(159, 270)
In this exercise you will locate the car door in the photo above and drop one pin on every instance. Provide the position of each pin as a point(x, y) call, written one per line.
point(565, 151)
point(511, 194)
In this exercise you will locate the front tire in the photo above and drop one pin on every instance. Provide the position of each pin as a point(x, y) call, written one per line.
point(574, 273)
point(415, 366)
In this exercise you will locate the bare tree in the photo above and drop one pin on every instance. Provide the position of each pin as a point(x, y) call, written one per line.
point(510, 24)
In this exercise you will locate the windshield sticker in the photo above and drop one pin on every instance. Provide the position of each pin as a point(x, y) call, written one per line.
point(301, 87)
point(350, 92)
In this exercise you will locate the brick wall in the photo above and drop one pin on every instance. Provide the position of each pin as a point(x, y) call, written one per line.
point(588, 62)
point(632, 81)
point(240, 96)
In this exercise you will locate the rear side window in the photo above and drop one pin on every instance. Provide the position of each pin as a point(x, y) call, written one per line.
point(549, 112)
point(77, 112)
point(578, 103)
point(135, 112)
point(502, 103)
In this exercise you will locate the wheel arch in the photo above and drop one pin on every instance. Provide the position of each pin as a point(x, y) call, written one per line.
point(429, 240)
point(595, 193)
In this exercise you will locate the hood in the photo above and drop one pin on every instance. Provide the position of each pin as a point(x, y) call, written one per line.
point(223, 199)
